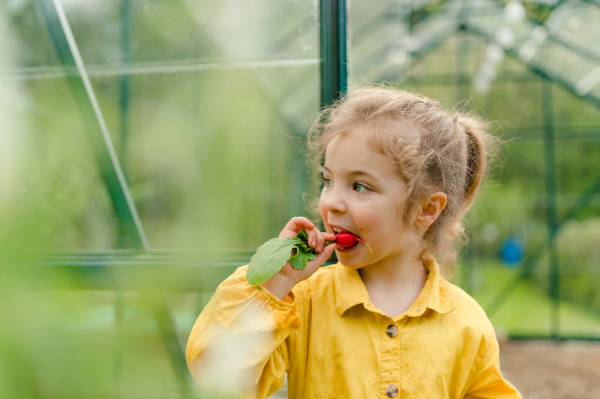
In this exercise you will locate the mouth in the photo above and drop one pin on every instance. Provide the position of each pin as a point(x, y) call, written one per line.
point(337, 230)
point(350, 244)
point(347, 248)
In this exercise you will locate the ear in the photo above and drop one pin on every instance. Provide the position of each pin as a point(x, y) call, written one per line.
point(430, 209)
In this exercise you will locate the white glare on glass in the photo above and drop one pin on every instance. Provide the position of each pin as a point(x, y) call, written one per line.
point(397, 56)
point(494, 53)
point(514, 12)
point(574, 23)
point(505, 37)
point(411, 44)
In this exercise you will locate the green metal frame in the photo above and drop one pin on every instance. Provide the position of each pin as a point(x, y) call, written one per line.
point(334, 60)
point(138, 268)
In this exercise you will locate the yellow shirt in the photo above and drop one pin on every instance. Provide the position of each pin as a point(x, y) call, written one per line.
point(334, 343)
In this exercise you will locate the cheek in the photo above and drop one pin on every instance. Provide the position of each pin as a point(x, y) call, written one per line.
point(382, 225)
point(322, 210)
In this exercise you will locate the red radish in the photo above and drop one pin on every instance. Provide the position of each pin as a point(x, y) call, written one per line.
point(344, 239)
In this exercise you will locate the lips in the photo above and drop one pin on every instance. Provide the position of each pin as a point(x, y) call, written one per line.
point(337, 230)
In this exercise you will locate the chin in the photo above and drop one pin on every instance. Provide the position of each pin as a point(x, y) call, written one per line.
point(351, 263)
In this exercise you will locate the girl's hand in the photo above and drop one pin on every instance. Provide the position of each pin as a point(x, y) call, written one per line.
point(282, 283)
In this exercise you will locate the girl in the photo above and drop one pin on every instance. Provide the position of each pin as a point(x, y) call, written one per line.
point(399, 173)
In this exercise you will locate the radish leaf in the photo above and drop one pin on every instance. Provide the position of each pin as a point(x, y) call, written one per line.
point(272, 255)
point(299, 260)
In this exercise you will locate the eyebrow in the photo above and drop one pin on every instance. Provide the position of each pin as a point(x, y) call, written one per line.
point(355, 173)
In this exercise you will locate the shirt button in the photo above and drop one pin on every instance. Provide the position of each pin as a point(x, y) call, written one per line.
point(391, 390)
point(391, 331)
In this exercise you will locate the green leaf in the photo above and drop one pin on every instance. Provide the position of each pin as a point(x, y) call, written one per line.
point(304, 252)
point(269, 259)
point(299, 260)
point(272, 255)
point(302, 236)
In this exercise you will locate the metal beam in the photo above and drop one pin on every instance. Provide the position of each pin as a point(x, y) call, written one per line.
point(334, 68)
point(104, 150)
point(551, 212)
point(124, 97)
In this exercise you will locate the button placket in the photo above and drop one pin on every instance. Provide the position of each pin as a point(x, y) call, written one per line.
point(390, 361)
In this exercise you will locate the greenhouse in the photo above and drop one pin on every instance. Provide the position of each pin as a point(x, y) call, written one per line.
point(149, 147)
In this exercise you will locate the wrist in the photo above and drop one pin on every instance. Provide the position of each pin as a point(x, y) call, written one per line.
point(279, 285)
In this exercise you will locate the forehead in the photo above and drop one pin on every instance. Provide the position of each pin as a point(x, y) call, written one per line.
point(351, 151)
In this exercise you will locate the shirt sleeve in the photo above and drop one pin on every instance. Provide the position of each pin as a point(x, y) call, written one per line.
point(488, 382)
point(237, 345)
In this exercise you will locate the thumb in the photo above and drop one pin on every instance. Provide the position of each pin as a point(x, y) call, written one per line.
point(321, 258)
point(326, 252)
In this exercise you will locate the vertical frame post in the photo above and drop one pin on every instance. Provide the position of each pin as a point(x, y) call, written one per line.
point(333, 40)
point(124, 97)
point(551, 213)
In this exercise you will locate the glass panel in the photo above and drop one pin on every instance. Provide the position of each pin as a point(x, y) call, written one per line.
point(55, 193)
point(579, 116)
point(513, 206)
point(37, 59)
point(206, 104)
point(576, 23)
point(210, 112)
point(557, 60)
point(385, 37)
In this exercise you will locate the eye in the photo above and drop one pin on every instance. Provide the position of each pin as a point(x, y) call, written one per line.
point(361, 188)
point(326, 182)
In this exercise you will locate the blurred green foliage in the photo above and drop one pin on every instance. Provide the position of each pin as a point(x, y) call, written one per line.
point(579, 258)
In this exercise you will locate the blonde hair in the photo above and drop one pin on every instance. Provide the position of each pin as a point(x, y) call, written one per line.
point(433, 150)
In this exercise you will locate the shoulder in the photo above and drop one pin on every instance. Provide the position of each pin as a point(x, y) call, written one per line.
point(468, 315)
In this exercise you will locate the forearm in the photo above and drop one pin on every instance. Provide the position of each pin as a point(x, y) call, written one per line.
point(279, 285)
point(242, 329)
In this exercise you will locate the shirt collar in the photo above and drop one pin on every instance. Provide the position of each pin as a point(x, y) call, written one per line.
point(435, 295)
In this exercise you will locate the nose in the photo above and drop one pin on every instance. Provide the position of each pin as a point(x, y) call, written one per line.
point(333, 200)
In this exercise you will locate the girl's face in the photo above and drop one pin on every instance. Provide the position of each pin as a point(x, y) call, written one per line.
point(363, 194)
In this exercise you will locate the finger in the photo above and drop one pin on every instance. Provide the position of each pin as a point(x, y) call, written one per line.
point(314, 265)
point(320, 241)
point(325, 254)
point(313, 237)
point(294, 226)
point(299, 223)
point(329, 237)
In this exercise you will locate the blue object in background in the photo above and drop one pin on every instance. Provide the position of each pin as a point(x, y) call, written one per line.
point(512, 251)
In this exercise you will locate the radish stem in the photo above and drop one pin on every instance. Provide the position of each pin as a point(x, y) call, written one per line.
point(364, 242)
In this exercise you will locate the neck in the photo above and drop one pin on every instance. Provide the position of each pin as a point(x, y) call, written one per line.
point(395, 273)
